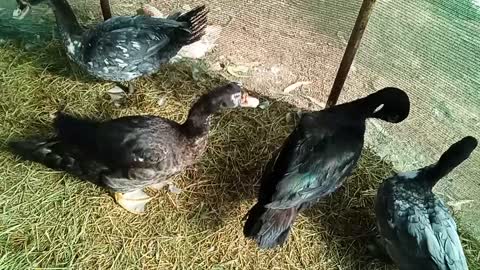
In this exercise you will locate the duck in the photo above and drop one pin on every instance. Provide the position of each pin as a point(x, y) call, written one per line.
point(314, 161)
point(123, 48)
point(128, 154)
point(416, 229)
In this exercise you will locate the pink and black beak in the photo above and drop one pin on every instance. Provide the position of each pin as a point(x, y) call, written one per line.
point(248, 101)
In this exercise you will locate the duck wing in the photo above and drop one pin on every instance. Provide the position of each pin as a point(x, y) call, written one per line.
point(426, 238)
point(125, 42)
point(141, 142)
point(311, 164)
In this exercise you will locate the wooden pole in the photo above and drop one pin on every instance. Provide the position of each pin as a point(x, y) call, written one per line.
point(350, 51)
point(106, 10)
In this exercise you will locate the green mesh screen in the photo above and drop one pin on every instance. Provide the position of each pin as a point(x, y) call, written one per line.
point(431, 49)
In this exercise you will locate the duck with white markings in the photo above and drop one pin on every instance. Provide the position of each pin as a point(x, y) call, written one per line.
point(315, 160)
point(123, 48)
point(130, 153)
point(416, 229)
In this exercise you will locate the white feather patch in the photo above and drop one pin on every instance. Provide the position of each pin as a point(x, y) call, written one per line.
point(70, 46)
point(409, 175)
point(379, 108)
point(236, 98)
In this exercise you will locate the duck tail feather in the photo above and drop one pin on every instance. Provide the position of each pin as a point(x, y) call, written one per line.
point(58, 155)
point(196, 20)
point(76, 131)
point(269, 227)
point(450, 159)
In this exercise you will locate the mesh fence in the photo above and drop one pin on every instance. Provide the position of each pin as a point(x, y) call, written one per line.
point(429, 48)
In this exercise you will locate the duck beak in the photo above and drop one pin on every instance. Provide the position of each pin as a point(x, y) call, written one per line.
point(21, 11)
point(248, 101)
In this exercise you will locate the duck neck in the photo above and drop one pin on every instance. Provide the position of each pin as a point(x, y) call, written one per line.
point(447, 162)
point(198, 121)
point(361, 108)
point(66, 20)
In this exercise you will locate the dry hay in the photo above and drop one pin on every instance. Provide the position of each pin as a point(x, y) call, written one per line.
point(50, 219)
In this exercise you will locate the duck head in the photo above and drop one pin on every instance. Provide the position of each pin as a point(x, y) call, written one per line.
point(458, 152)
point(23, 8)
point(228, 96)
point(389, 104)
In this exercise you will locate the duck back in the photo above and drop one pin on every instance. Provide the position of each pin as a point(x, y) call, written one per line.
point(312, 163)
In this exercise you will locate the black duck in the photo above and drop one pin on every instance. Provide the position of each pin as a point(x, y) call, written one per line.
point(123, 48)
point(315, 160)
point(416, 229)
point(130, 153)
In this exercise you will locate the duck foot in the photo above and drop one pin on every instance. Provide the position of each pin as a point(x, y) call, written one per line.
point(134, 202)
point(131, 89)
point(171, 187)
point(119, 93)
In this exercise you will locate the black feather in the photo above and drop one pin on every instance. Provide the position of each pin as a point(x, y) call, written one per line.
point(269, 227)
point(197, 22)
point(76, 131)
point(61, 156)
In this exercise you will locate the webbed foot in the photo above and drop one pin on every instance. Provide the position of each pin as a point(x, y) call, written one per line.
point(171, 187)
point(120, 92)
point(134, 201)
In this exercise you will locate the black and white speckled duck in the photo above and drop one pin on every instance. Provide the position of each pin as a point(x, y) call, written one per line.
point(315, 160)
point(130, 153)
point(416, 229)
point(123, 48)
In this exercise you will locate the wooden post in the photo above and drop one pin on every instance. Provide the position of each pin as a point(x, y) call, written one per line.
point(106, 10)
point(350, 51)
